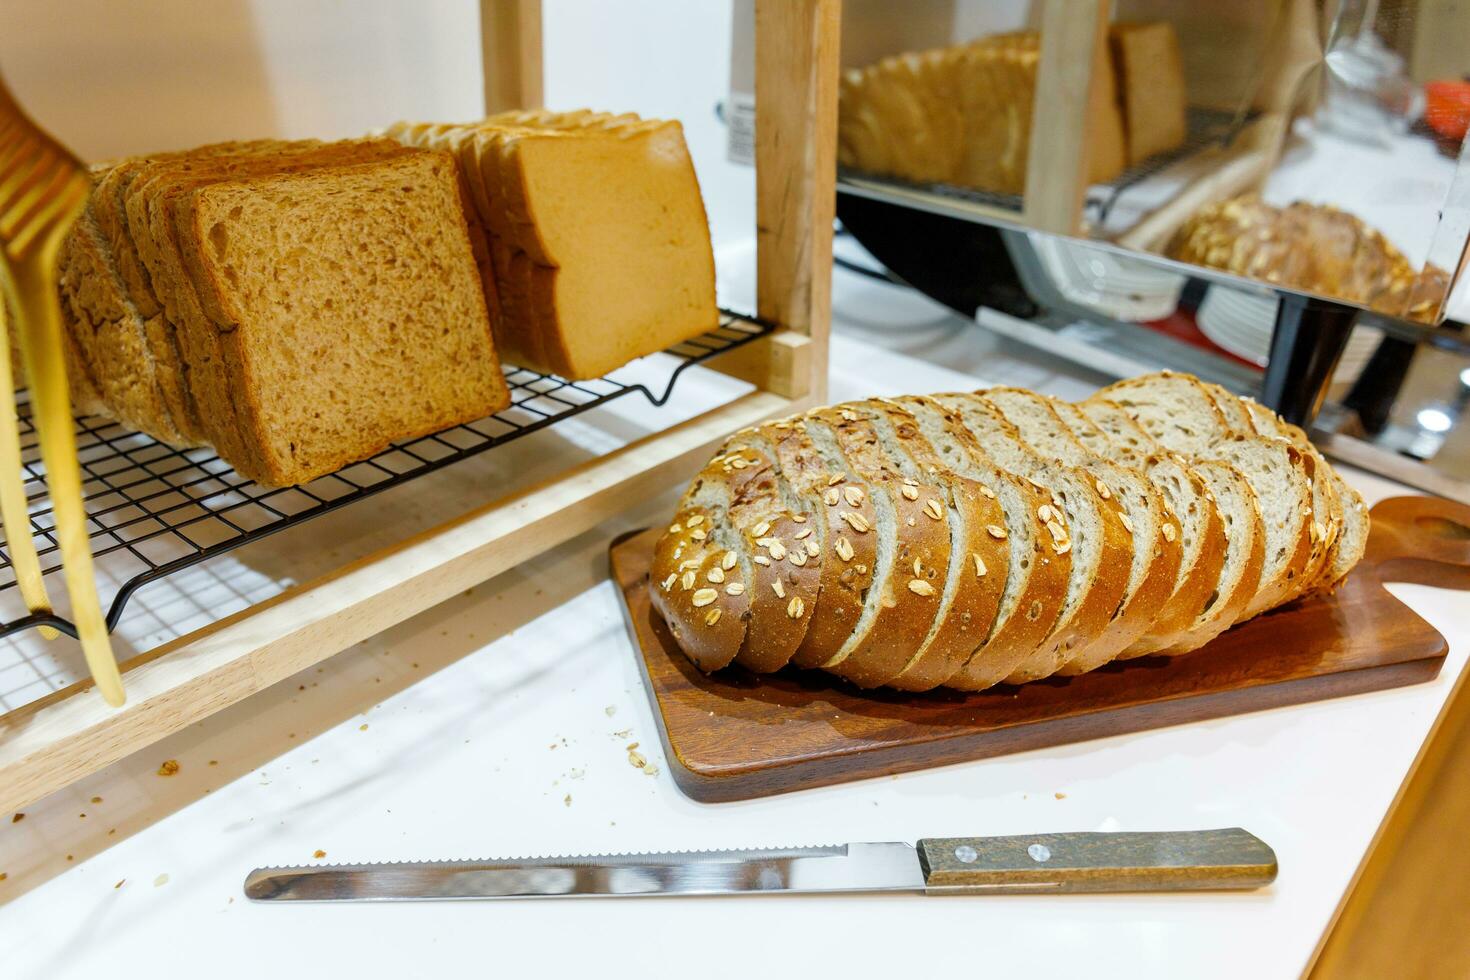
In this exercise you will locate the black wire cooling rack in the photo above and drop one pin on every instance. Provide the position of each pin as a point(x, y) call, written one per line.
point(158, 509)
point(1206, 128)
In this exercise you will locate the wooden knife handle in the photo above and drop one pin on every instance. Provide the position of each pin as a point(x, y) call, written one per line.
point(1097, 862)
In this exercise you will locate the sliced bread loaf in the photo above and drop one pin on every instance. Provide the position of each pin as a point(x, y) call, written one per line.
point(1037, 573)
point(911, 538)
point(978, 559)
point(1080, 521)
point(1156, 553)
point(1201, 529)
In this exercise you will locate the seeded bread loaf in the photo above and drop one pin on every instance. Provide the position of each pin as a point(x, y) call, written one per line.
point(963, 540)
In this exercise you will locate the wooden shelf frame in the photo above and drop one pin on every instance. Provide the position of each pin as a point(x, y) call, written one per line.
point(56, 740)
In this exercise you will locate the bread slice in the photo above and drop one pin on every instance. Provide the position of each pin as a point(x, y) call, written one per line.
point(978, 560)
point(1345, 531)
point(638, 279)
point(1243, 569)
point(765, 512)
point(1201, 529)
point(1327, 510)
point(1036, 572)
point(1150, 86)
point(107, 333)
point(696, 581)
point(1094, 534)
point(354, 284)
point(806, 477)
point(154, 202)
point(911, 554)
point(1241, 553)
point(1156, 553)
point(1326, 516)
point(1180, 412)
point(159, 402)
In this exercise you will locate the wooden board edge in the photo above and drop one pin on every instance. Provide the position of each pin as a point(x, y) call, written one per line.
point(731, 786)
point(51, 743)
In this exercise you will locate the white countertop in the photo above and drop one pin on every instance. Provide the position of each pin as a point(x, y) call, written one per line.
point(498, 724)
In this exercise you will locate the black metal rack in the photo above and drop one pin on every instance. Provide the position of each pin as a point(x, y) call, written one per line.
point(1206, 128)
point(155, 510)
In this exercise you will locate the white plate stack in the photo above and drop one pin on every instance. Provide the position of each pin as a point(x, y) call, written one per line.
point(1241, 323)
point(1114, 285)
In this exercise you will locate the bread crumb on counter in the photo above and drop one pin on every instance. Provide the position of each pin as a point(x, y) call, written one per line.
point(170, 767)
point(160, 881)
point(319, 854)
point(1060, 796)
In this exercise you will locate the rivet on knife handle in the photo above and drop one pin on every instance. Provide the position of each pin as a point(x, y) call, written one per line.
point(1097, 862)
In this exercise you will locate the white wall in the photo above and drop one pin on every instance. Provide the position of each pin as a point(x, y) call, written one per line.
point(113, 77)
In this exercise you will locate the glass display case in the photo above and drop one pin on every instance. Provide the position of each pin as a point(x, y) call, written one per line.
point(1271, 194)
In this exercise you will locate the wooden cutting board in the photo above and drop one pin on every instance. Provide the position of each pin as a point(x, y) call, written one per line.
point(735, 735)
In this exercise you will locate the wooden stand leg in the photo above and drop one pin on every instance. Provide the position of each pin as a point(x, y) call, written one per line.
point(510, 45)
point(1072, 32)
point(797, 43)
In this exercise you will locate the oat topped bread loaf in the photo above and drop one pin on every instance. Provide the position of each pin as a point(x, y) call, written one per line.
point(969, 539)
point(1312, 247)
point(296, 305)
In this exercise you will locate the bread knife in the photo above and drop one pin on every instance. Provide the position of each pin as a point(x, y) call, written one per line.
point(1030, 863)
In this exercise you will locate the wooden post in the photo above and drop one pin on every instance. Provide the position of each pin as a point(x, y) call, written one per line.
point(510, 47)
point(1403, 915)
point(1056, 167)
point(797, 46)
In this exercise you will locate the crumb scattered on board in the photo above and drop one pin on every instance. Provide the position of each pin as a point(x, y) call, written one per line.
point(169, 767)
point(119, 883)
point(1060, 796)
point(362, 727)
point(17, 818)
point(319, 854)
point(567, 800)
point(160, 881)
point(611, 710)
point(96, 799)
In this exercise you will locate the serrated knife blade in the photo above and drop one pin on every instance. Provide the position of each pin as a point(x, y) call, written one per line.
point(1167, 861)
